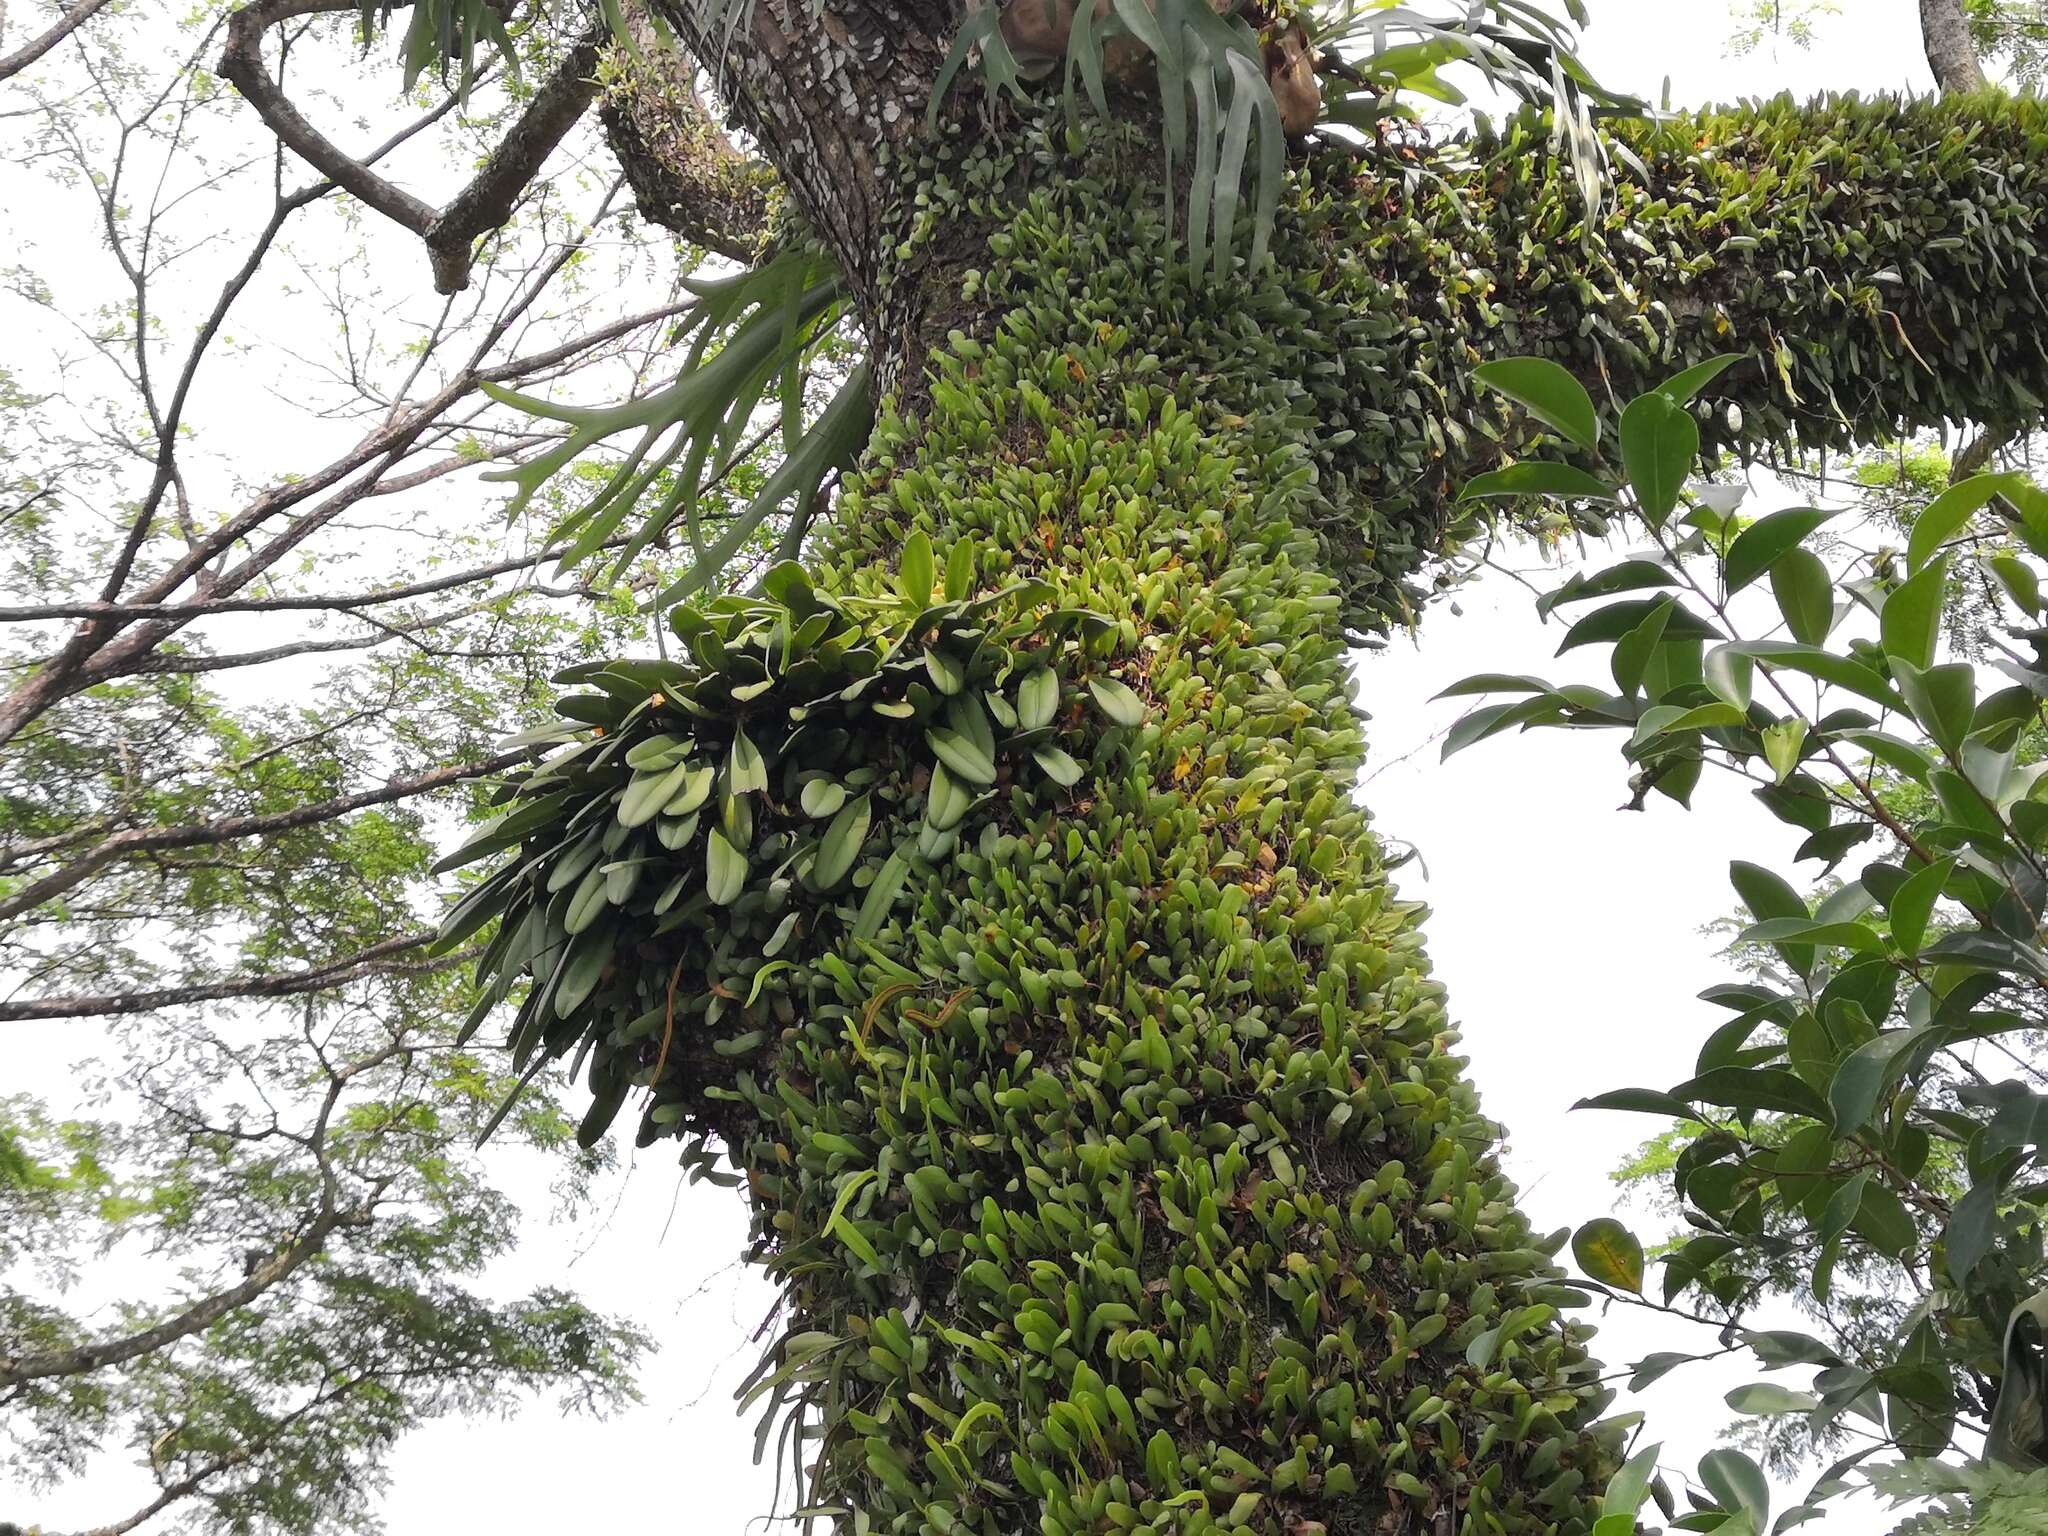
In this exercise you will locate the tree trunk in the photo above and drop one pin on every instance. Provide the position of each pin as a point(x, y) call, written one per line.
point(1129, 1180)
point(1951, 51)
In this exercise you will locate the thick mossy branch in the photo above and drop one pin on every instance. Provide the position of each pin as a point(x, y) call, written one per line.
point(685, 173)
point(1118, 1161)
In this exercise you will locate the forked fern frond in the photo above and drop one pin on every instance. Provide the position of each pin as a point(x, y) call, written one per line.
point(749, 335)
point(1372, 53)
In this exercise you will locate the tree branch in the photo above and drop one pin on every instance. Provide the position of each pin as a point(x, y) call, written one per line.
point(233, 828)
point(14, 63)
point(196, 1318)
point(375, 960)
point(483, 205)
point(487, 202)
point(685, 174)
point(242, 64)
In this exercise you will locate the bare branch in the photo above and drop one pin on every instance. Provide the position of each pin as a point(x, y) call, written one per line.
point(201, 1315)
point(484, 205)
point(208, 834)
point(487, 202)
point(376, 960)
point(242, 63)
point(14, 63)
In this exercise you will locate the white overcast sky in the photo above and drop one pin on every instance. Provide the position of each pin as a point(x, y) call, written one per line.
point(1569, 935)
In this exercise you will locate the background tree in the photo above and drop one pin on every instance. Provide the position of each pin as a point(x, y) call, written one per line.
point(259, 643)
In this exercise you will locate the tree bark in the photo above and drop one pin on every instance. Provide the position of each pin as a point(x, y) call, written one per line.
point(1951, 51)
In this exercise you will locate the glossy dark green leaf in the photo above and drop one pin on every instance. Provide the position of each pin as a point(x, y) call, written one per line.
point(1537, 477)
point(1766, 1089)
point(1681, 387)
point(1738, 1484)
point(1549, 394)
point(1910, 624)
point(1659, 442)
point(842, 843)
point(1617, 619)
point(1947, 514)
point(1758, 547)
point(1805, 595)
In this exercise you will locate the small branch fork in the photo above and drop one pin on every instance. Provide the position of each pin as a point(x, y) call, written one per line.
point(482, 206)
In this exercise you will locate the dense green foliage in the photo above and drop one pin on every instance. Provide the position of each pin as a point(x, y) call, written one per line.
point(1869, 1118)
point(1119, 1165)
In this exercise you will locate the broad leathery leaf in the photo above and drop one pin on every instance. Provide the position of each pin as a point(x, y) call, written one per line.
point(1943, 699)
point(1826, 666)
point(1766, 1399)
point(1807, 930)
point(1755, 1089)
point(1681, 387)
point(1493, 682)
point(1617, 619)
point(1805, 594)
point(1861, 1080)
point(725, 869)
point(1659, 442)
point(1626, 576)
point(1952, 509)
point(1646, 1101)
point(1536, 477)
point(1911, 621)
point(1737, 1484)
point(1628, 1487)
point(1117, 702)
point(1913, 904)
point(1729, 675)
point(1653, 1368)
point(842, 843)
point(1767, 895)
point(1758, 546)
point(1609, 1253)
point(1548, 392)
point(1972, 1225)
point(2021, 582)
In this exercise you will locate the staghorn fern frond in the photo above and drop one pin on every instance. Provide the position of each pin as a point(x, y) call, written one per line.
point(751, 336)
point(1373, 52)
